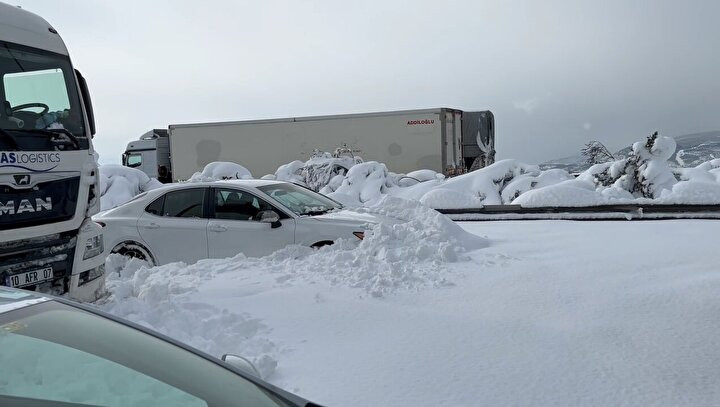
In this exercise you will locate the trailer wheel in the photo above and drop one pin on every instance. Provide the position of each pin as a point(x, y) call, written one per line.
point(135, 251)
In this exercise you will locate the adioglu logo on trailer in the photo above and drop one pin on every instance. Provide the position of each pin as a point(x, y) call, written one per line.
point(421, 122)
point(35, 162)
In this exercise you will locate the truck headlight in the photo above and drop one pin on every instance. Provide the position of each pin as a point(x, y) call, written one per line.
point(93, 247)
point(90, 275)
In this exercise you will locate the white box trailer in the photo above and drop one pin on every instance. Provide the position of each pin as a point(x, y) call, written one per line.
point(442, 139)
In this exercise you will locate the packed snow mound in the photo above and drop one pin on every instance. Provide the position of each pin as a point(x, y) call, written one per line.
point(119, 184)
point(392, 256)
point(220, 170)
point(161, 298)
point(408, 252)
point(687, 192)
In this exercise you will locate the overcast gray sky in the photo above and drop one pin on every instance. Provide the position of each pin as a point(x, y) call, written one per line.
point(556, 74)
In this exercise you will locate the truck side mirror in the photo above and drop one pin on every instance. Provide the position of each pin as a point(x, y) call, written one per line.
point(86, 102)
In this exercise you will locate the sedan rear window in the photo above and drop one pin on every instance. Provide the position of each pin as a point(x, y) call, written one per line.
point(186, 203)
point(156, 207)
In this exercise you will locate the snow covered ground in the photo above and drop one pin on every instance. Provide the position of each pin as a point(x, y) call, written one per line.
point(550, 313)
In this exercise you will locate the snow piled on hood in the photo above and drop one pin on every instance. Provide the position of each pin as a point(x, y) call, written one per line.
point(119, 184)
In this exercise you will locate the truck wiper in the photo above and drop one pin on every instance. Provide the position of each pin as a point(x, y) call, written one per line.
point(53, 133)
point(6, 135)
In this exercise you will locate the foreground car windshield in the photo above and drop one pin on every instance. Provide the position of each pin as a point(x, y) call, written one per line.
point(300, 200)
point(54, 353)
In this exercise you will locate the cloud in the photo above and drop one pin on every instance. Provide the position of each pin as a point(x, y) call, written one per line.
point(527, 105)
point(587, 126)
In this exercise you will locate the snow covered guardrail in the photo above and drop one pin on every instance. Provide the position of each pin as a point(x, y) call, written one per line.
point(600, 212)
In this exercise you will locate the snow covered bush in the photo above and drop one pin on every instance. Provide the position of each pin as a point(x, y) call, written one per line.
point(318, 172)
point(219, 170)
point(644, 174)
point(363, 183)
point(119, 184)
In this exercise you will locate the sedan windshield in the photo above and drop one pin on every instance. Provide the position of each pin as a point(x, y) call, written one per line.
point(54, 353)
point(300, 200)
point(39, 102)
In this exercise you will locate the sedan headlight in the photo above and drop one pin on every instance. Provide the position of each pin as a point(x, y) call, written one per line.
point(93, 247)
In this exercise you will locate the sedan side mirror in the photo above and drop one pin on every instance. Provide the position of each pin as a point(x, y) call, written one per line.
point(270, 217)
point(241, 364)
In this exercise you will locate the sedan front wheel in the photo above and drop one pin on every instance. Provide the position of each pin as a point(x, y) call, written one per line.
point(134, 251)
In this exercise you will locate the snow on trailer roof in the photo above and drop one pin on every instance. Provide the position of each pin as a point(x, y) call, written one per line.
point(25, 28)
point(322, 117)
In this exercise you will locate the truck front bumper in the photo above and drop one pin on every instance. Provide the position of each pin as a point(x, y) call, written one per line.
point(87, 282)
point(76, 258)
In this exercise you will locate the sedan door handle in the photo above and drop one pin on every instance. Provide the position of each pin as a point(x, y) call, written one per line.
point(152, 226)
point(217, 228)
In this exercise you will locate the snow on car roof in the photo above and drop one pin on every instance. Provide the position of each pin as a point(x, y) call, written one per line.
point(251, 182)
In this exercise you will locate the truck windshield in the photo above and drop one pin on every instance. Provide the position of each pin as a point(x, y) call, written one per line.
point(39, 103)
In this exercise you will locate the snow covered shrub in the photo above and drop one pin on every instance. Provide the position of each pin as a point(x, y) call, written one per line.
point(364, 182)
point(595, 152)
point(319, 170)
point(645, 173)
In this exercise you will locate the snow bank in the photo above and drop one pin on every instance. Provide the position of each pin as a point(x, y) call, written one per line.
point(119, 184)
point(161, 298)
point(404, 255)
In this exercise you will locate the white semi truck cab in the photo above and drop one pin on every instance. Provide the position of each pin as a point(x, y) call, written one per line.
point(48, 172)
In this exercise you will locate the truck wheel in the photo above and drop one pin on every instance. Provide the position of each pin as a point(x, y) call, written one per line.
point(135, 251)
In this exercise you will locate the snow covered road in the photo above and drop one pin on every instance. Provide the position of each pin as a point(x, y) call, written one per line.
point(553, 312)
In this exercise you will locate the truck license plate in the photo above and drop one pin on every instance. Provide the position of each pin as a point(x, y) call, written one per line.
point(30, 277)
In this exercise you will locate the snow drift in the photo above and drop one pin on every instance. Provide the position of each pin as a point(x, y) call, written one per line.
point(119, 184)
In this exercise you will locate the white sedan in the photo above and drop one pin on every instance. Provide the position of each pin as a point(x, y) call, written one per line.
point(192, 221)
